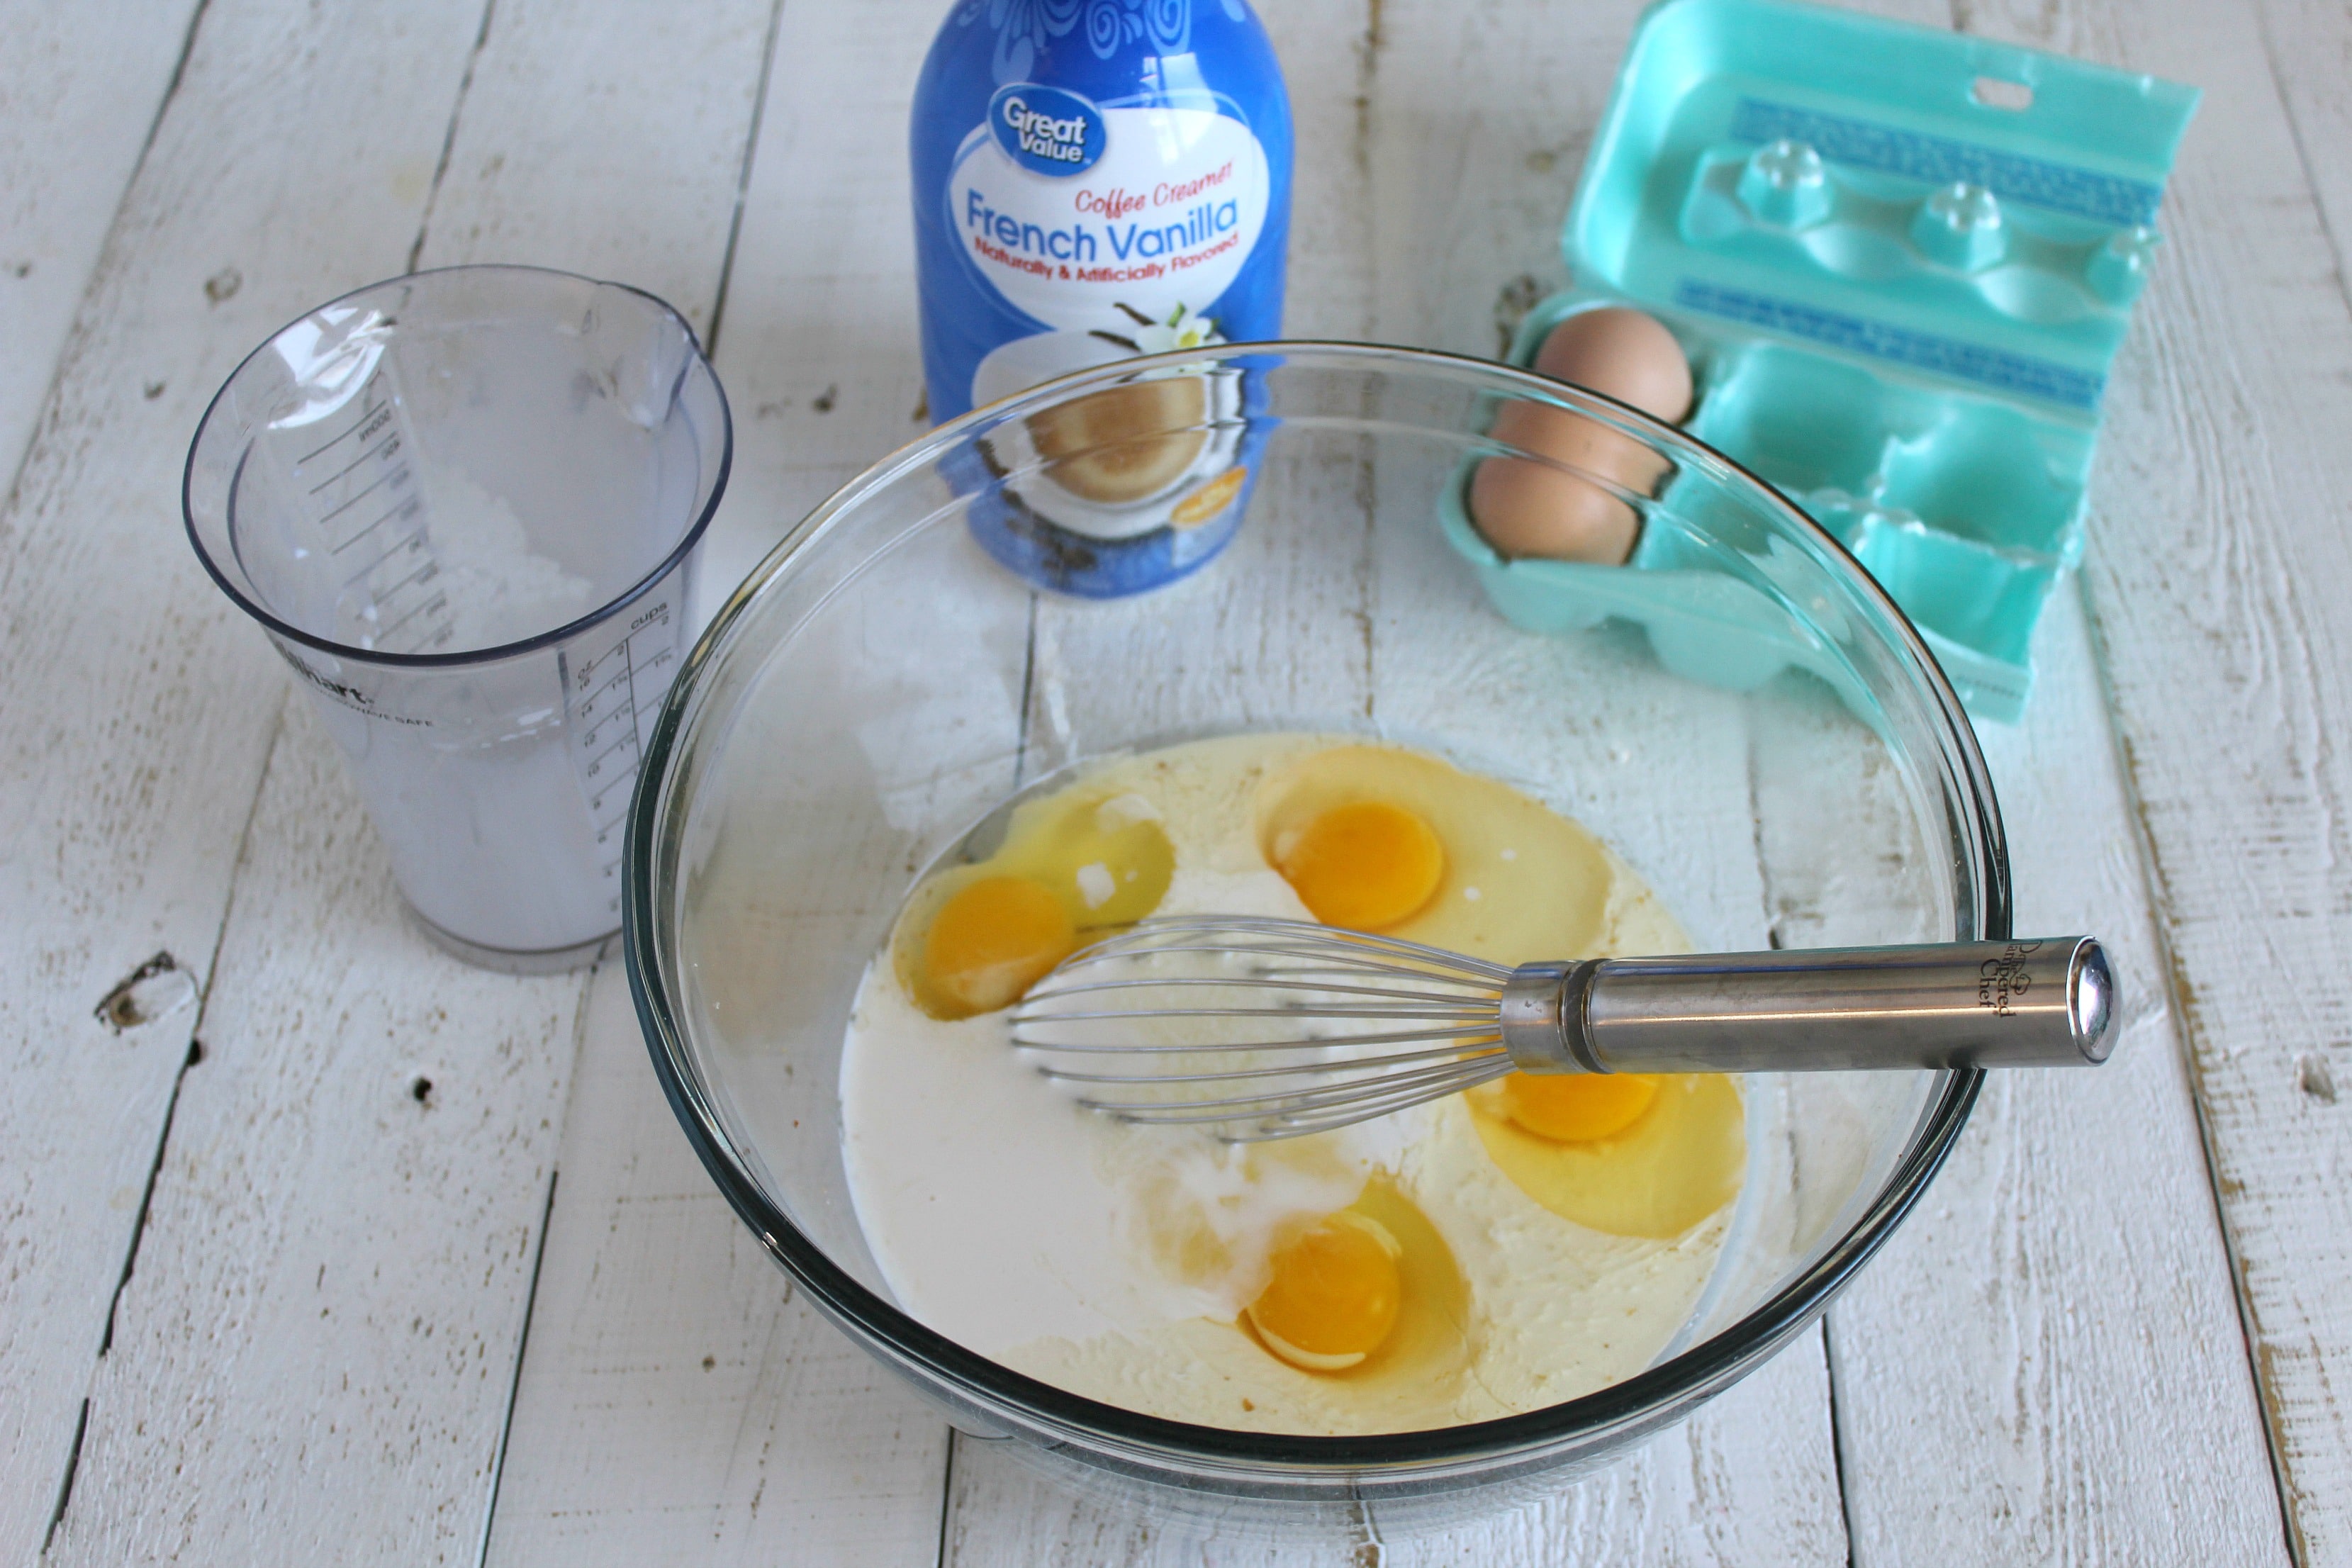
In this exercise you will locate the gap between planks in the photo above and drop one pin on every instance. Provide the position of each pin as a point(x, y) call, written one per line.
point(611, 957)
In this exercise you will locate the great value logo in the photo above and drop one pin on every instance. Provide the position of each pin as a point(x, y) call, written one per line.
point(1046, 129)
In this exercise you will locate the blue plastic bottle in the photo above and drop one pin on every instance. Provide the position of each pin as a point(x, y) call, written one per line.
point(1095, 180)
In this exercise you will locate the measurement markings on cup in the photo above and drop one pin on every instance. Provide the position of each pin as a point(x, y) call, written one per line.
point(609, 693)
point(360, 488)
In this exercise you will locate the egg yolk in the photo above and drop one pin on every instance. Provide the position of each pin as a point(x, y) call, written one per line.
point(990, 942)
point(1678, 1162)
point(1367, 865)
point(1577, 1108)
point(1335, 1294)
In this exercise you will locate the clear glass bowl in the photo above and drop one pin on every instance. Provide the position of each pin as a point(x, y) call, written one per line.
point(879, 684)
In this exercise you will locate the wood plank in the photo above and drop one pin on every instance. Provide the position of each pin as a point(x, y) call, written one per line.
point(1713, 1491)
point(677, 1393)
point(2309, 47)
point(1768, 1454)
point(141, 704)
point(1761, 1469)
point(2308, 43)
point(820, 346)
point(2046, 1363)
point(676, 1389)
point(1000, 1510)
point(1471, 190)
point(2092, 1383)
point(606, 139)
point(81, 87)
point(1210, 636)
point(347, 1308)
point(2217, 575)
point(314, 1358)
point(1003, 1510)
point(1728, 1487)
point(2041, 1306)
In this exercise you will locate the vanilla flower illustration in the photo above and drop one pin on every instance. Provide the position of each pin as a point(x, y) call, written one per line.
point(1181, 330)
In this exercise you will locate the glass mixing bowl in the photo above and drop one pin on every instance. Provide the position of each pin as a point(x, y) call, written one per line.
point(880, 685)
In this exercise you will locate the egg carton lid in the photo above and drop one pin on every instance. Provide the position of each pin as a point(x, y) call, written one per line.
point(1896, 113)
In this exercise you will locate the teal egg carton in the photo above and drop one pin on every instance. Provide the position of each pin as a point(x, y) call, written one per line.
point(1901, 262)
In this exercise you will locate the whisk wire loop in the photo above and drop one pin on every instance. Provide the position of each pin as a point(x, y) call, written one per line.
point(1169, 995)
point(1276, 1102)
point(1274, 935)
point(1356, 1065)
point(1128, 1048)
point(1328, 960)
point(1258, 981)
point(1296, 1125)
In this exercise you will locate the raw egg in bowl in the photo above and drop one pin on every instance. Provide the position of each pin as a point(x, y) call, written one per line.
point(896, 783)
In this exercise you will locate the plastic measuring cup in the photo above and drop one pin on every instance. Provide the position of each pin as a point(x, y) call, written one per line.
point(466, 505)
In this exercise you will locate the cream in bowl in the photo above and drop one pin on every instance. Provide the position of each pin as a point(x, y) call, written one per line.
point(1480, 1257)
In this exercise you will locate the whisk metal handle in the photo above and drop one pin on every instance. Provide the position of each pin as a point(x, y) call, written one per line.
point(2047, 1002)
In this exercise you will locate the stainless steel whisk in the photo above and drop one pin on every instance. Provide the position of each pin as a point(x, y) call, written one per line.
point(1259, 1029)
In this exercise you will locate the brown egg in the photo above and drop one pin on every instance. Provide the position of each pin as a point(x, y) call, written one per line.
point(1624, 354)
point(1528, 509)
point(1579, 443)
point(1531, 509)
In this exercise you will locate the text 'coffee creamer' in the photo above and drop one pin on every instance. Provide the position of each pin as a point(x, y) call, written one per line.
point(1094, 181)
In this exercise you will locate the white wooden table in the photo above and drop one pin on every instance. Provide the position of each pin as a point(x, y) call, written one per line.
point(326, 1248)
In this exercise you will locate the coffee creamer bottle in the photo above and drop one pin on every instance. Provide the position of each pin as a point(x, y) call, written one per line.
point(1096, 180)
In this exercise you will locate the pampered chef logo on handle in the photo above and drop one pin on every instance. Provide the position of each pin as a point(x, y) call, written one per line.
point(2003, 980)
point(1046, 129)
